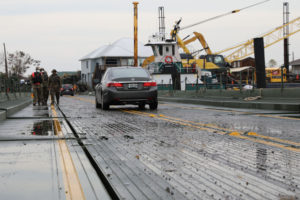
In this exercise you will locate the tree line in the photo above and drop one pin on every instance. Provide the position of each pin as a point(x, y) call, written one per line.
point(18, 63)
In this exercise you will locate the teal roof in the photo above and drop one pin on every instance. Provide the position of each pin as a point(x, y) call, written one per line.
point(67, 73)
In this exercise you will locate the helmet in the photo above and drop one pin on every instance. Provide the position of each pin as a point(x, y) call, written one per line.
point(42, 69)
point(37, 68)
point(54, 70)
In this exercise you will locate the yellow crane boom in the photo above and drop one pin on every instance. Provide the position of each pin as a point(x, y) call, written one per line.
point(270, 38)
point(182, 44)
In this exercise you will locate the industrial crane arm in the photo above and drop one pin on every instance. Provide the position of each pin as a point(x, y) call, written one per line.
point(198, 36)
point(174, 32)
point(222, 15)
point(270, 38)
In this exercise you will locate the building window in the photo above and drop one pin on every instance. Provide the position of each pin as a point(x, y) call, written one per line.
point(111, 61)
point(87, 64)
point(160, 50)
point(154, 51)
point(173, 50)
point(130, 62)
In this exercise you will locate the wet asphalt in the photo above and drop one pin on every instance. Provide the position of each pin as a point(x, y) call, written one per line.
point(184, 151)
point(179, 151)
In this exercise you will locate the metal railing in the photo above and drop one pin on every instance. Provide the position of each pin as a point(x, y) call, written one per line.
point(13, 88)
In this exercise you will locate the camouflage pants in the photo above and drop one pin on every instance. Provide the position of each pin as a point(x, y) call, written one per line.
point(37, 95)
point(52, 93)
point(45, 94)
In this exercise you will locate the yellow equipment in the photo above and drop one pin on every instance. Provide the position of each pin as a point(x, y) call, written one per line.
point(247, 48)
point(244, 49)
point(273, 75)
point(209, 61)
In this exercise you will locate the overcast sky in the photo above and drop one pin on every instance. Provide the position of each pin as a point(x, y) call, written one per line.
point(60, 32)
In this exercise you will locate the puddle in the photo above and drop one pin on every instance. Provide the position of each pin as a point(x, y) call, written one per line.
point(42, 128)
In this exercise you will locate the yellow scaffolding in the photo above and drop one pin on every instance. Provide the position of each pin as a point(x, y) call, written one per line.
point(270, 38)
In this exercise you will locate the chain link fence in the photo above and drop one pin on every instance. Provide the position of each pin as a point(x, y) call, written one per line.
point(13, 88)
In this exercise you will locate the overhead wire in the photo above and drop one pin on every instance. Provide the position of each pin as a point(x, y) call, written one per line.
point(222, 15)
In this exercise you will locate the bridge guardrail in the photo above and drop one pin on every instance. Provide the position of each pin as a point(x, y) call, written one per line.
point(12, 88)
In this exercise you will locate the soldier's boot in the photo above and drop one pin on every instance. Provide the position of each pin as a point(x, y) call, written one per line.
point(57, 99)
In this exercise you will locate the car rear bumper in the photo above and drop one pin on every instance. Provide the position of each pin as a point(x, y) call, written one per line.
point(70, 92)
point(116, 97)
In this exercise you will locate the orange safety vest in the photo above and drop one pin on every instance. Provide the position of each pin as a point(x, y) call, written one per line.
point(36, 80)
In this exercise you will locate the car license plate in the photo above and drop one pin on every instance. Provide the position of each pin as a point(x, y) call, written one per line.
point(132, 86)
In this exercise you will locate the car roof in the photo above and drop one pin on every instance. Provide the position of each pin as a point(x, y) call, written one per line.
point(125, 67)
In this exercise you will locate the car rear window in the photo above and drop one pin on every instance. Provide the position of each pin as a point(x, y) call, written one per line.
point(67, 86)
point(129, 72)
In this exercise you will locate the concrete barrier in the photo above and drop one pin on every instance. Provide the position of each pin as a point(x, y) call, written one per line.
point(271, 99)
point(2, 115)
point(13, 102)
point(264, 93)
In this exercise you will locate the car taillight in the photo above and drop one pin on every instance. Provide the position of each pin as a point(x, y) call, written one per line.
point(149, 84)
point(114, 85)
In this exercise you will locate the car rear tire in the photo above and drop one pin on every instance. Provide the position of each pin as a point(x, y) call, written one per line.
point(98, 105)
point(153, 106)
point(105, 106)
point(142, 106)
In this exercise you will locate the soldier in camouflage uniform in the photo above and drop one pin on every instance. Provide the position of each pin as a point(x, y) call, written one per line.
point(45, 90)
point(54, 85)
point(36, 81)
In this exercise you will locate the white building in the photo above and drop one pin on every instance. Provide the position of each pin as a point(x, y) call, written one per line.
point(295, 66)
point(119, 53)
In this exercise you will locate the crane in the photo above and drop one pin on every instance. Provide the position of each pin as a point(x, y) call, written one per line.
point(211, 61)
point(247, 48)
point(174, 32)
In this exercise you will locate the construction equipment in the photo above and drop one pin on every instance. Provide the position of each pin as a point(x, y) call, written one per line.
point(276, 75)
point(209, 61)
point(167, 60)
point(205, 62)
point(245, 49)
point(213, 60)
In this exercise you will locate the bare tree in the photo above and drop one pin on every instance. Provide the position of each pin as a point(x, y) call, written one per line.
point(272, 63)
point(19, 62)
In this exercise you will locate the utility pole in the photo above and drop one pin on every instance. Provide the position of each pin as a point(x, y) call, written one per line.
point(286, 35)
point(5, 61)
point(135, 10)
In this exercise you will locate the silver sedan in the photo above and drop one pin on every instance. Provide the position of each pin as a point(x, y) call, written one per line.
point(126, 85)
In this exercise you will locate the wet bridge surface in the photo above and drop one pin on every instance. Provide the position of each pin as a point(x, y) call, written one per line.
point(180, 151)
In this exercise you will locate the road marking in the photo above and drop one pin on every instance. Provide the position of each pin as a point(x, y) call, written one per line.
point(73, 188)
point(273, 138)
point(238, 135)
point(173, 121)
point(215, 129)
point(83, 99)
point(249, 133)
point(233, 134)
